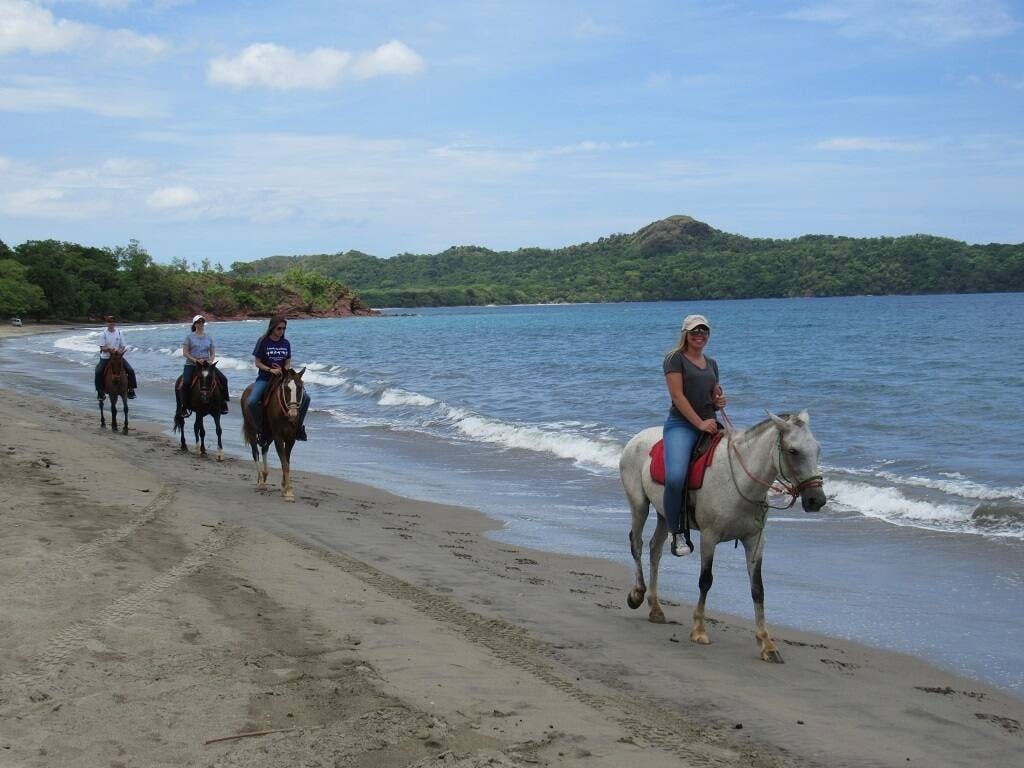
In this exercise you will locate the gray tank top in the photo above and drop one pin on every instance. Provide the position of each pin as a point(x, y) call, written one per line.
point(698, 383)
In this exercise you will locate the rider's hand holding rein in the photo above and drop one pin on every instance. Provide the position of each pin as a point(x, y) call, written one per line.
point(719, 398)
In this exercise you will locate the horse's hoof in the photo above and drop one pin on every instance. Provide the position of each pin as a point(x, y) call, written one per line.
point(772, 657)
point(635, 599)
point(288, 497)
point(700, 638)
point(220, 456)
point(657, 617)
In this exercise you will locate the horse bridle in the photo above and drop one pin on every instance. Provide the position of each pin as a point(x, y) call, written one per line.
point(285, 405)
point(786, 486)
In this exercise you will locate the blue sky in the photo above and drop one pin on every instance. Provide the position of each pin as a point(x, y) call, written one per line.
point(237, 130)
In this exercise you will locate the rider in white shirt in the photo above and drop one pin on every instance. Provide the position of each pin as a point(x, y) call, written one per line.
point(110, 339)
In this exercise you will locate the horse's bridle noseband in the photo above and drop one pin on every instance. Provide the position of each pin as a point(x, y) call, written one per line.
point(285, 405)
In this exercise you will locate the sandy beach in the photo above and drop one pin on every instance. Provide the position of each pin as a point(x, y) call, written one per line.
point(160, 611)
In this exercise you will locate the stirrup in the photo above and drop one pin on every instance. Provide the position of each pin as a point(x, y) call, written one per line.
point(131, 394)
point(680, 547)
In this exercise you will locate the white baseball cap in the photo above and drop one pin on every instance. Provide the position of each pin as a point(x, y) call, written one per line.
point(197, 318)
point(692, 321)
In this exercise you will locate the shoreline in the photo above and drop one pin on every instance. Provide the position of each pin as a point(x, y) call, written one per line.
point(991, 663)
point(487, 651)
point(8, 331)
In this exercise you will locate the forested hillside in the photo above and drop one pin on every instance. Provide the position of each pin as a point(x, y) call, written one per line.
point(49, 279)
point(676, 258)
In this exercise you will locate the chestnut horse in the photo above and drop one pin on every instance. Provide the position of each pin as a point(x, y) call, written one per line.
point(115, 384)
point(280, 424)
point(206, 398)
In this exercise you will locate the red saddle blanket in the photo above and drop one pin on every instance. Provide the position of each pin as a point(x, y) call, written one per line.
point(695, 477)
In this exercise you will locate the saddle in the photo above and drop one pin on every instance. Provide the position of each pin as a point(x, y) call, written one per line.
point(701, 458)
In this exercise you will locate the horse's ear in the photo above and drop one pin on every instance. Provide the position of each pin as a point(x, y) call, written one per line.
point(299, 374)
point(782, 424)
point(213, 364)
point(802, 419)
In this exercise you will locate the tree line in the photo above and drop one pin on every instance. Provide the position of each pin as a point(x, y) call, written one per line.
point(674, 259)
point(51, 279)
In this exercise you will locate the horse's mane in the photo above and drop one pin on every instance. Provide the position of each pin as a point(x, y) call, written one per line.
point(762, 426)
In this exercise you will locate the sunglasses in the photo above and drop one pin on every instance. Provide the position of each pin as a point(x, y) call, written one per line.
point(700, 330)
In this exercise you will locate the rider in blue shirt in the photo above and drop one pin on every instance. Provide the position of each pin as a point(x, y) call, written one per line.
point(272, 355)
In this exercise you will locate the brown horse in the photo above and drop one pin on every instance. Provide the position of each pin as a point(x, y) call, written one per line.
point(115, 384)
point(280, 425)
point(206, 398)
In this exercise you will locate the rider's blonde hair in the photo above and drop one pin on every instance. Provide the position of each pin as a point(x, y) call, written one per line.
point(682, 346)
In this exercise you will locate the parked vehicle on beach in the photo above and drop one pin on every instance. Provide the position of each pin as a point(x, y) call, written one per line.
point(16, 321)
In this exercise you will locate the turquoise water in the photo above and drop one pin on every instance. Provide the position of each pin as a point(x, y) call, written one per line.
point(521, 412)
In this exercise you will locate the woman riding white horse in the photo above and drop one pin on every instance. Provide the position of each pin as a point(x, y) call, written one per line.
point(692, 381)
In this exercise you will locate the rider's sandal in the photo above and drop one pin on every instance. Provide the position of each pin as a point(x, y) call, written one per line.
point(300, 433)
point(679, 546)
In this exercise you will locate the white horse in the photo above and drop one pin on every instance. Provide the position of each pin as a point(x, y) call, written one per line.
point(731, 504)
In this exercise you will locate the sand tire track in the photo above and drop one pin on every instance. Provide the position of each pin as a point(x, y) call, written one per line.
point(55, 655)
point(647, 724)
point(69, 563)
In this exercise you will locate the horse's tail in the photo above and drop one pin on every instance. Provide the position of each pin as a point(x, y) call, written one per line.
point(248, 436)
point(179, 422)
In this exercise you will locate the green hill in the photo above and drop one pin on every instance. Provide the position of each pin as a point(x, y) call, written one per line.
point(675, 258)
point(49, 279)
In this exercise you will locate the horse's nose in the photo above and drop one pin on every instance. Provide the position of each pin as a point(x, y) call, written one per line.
point(813, 500)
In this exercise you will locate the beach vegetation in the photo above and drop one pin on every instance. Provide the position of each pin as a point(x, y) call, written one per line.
point(52, 279)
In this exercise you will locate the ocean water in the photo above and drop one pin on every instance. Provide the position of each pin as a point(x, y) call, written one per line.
point(522, 411)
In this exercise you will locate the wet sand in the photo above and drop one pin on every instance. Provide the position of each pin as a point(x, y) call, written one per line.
point(156, 602)
point(29, 328)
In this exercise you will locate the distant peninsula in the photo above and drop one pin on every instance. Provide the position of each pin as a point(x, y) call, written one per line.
point(678, 258)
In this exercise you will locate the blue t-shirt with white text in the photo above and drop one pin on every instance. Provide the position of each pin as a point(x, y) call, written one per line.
point(270, 352)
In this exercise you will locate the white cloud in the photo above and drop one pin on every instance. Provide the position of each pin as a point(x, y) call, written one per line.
point(49, 202)
point(921, 21)
point(491, 159)
point(393, 58)
point(277, 67)
point(870, 144)
point(25, 26)
point(49, 95)
point(274, 66)
point(590, 146)
point(172, 197)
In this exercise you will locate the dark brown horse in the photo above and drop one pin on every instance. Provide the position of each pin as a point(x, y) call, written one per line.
point(280, 425)
point(115, 384)
point(206, 398)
